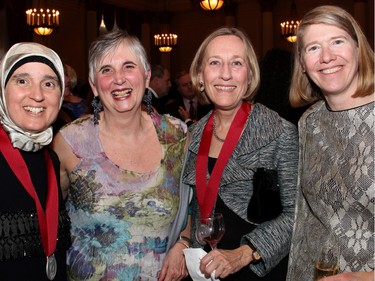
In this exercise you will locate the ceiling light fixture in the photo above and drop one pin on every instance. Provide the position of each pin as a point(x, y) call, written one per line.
point(42, 20)
point(211, 5)
point(289, 27)
point(165, 40)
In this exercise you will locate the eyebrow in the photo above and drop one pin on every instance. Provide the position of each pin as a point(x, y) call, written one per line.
point(26, 75)
point(329, 39)
point(124, 63)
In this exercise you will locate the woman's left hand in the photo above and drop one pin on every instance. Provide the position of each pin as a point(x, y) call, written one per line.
point(174, 267)
point(225, 262)
point(351, 276)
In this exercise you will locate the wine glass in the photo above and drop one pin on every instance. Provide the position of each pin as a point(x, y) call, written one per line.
point(211, 230)
point(328, 259)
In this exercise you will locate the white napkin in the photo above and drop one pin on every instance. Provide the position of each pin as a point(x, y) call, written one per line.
point(193, 258)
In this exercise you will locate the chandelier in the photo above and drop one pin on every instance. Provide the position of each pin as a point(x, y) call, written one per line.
point(289, 27)
point(165, 40)
point(211, 5)
point(42, 20)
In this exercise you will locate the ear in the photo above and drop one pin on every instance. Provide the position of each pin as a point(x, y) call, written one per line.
point(200, 77)
point(93, 88)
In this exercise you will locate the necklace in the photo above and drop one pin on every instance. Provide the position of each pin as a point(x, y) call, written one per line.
point(214, 131)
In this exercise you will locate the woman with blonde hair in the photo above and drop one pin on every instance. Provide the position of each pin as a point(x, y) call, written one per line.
point(334, 70)
point(235, 143)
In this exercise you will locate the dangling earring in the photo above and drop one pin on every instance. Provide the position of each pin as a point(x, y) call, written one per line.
point(201, 87)
point(147, 98)
point(97, 107)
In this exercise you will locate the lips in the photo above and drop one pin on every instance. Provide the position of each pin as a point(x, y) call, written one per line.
point(225, 88)
point(34, 110)
point(120, 94)
point(331, 70)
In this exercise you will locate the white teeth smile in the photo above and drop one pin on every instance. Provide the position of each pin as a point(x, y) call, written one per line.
point(122, 93)
point(225, 88)
point(331, 70)
point(34, 110)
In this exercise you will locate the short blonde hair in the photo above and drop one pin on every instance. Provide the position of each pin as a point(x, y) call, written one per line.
point(303, 91)
point(252, 61)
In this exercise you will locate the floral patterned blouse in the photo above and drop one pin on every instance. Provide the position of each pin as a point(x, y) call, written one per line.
point(121, 219)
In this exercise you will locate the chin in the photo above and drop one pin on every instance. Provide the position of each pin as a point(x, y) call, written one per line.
point(35, 129)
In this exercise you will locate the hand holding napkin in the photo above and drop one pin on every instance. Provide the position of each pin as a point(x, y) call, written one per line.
point(193, 258)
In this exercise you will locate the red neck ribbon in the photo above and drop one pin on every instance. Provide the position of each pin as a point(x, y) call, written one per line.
point(207, 190)
point(48, 220)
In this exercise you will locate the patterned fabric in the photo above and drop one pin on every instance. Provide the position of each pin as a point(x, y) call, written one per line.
point(20, 235)
point(267, 141)
point(121, 219)
point(336, 189)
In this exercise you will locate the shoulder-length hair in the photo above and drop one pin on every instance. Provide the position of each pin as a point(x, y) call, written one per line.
point(254, 73)
point(108, 42)
point(303, 91)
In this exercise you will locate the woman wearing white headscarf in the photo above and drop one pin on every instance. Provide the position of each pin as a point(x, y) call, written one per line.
point(34, 227)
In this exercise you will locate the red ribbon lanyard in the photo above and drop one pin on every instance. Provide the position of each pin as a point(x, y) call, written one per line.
point(207, 191)
point(48, 221)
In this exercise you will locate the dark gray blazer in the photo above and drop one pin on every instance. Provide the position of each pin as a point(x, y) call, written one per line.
point(267, 141)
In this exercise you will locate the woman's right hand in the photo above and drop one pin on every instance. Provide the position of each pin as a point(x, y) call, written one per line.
point(226, 262)
point(174, 266)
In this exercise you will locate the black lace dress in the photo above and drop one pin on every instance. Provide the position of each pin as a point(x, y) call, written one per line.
point(21, 252)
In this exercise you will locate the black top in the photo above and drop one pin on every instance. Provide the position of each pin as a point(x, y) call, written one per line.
point(235, 228)
point(21, 252)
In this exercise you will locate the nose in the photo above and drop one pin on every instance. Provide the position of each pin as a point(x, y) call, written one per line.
point(119, 78)
point(226, 74)
point(37, 94)
point(326, 55)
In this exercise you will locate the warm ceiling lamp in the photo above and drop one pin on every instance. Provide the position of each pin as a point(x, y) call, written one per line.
point(165, 40)
point(42, 20)
point(289, 27)
point(102, 28)
point(211, 5)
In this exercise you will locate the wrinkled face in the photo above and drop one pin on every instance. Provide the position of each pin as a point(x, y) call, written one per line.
point(330, 59)
point(225, 72)
point(120, 80)
point(33, 97)
point(185, 86)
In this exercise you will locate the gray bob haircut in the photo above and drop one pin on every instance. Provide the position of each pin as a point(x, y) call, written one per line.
point(106, 43)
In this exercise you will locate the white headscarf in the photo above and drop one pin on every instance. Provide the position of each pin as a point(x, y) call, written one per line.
point(16, 56)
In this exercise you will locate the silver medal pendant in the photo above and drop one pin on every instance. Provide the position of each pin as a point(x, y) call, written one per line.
point(51, 267)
